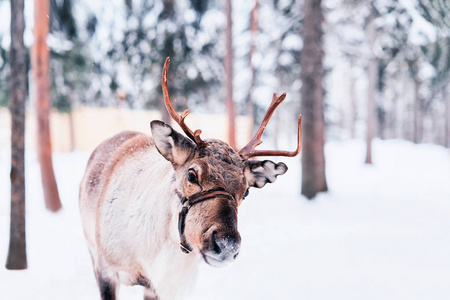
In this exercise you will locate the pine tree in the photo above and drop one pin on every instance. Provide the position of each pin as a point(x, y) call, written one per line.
point(40, 65)
point(228, 61)
point(313, 158)
point(17, 256)
point(372, 89)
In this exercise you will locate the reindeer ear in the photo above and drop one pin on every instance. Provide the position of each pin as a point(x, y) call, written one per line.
point(172, 145)
point(258, 173)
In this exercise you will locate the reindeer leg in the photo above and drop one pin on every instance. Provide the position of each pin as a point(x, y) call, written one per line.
point(150, 294)
point(149, 290)
point(107, 286)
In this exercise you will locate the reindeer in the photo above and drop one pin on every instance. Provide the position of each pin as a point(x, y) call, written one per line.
point(153, 207)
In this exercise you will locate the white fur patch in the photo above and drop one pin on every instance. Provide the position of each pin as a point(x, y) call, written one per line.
point(138, 230)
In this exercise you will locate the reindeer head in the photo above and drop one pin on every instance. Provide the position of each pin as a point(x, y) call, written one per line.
point(212, 180)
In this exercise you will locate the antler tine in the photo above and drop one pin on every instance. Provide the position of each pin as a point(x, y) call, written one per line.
point(249, 150)
point(179, 118)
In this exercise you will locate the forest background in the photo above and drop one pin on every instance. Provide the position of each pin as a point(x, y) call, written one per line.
point(110, 53)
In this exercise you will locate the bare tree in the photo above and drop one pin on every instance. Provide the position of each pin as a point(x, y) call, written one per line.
point(353, 102)
point(447, 116)
point(17, 255)
point(40, 64)
point(228, 62)
point(167, 14)
point(254, 20)
point(418, 113)
point(372, 89)
point(313, 158)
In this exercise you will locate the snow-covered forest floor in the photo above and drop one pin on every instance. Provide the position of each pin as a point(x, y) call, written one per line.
point(382, 232)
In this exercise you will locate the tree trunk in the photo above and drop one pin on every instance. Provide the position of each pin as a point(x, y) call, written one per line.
point(404, 119)
point(254, 19)
point(353, 107)
point(395, 119)
point(72, 131)
point(40, 61)
point(447, 117)
point(418, 123)
point(17, 255)
point(371, 92)
point(168, 13)
point(313, 159)
point(228, 62)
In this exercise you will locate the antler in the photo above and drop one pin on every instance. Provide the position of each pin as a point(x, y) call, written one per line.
point(195, 136)
point(249, 150)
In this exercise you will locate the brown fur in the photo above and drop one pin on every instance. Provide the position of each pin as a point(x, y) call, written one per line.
point(100, 157)
point(225, 167)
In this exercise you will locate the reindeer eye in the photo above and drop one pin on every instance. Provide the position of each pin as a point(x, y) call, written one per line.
point(246, 193)
point(192, 176)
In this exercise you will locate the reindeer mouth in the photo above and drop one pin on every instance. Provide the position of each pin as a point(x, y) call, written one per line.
point(218, 260)
point(215, 261)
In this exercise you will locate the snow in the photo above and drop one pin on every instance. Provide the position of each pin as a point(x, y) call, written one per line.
point(381, 232)
point(422, 31)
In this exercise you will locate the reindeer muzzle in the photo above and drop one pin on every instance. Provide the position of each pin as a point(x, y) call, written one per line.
point(188, 202)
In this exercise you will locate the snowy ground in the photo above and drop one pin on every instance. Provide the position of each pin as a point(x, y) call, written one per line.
point(382, 232)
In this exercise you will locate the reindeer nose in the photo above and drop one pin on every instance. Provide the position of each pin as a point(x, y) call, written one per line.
point(225, 248)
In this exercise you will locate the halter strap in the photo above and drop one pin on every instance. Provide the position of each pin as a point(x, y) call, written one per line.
point(188, 202)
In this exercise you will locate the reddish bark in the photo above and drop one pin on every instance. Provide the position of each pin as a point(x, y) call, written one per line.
point(228, 62)
point(254, 20)
point(40, 65)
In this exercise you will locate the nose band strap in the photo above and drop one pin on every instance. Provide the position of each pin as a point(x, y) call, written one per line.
point(188, 202)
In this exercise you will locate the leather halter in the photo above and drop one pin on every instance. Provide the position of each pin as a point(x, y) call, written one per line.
point(188, 202)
